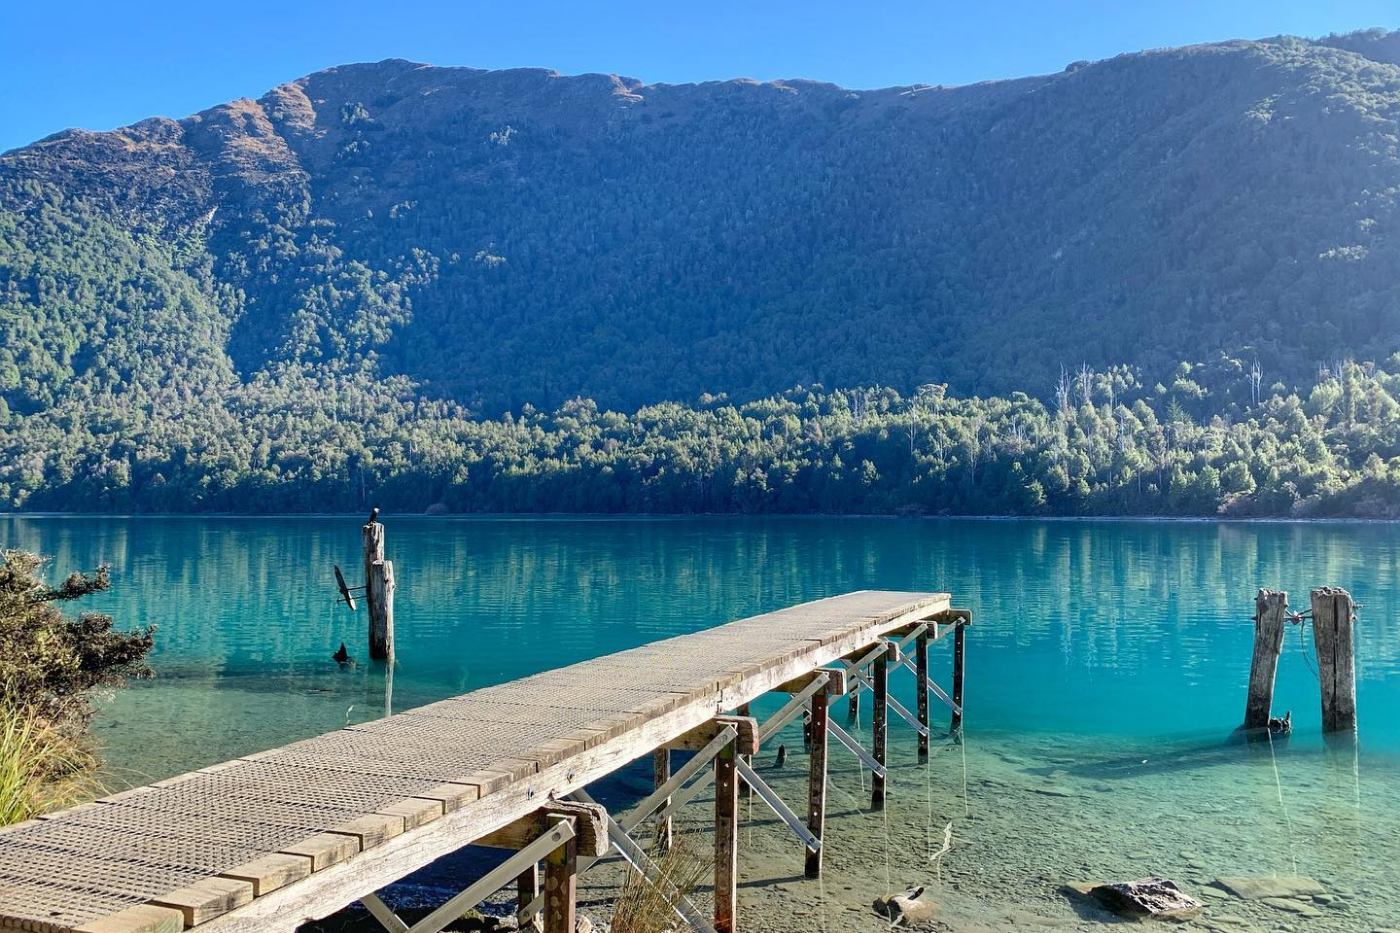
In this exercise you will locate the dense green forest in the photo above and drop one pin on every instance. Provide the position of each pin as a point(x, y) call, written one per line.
point(402, 284)
point(1106, 445)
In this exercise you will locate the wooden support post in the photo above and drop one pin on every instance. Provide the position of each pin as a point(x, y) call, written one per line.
point(745, 790)
point(726, 838)
point(527, 888)
point(1270, 613)
point(1333, 616)
point(381, 607)
point(816, 782)
point(880, 674)
point(561, 887)
point(921, 676)
point(959, 654)
point(661, 773)
point(853, 705)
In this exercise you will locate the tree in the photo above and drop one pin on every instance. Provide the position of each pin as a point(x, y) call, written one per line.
point(49, 662)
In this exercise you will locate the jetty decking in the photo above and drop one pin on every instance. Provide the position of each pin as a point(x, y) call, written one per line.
point(271, 840)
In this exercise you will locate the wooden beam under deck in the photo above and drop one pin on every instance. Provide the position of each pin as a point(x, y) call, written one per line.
point(363, 807)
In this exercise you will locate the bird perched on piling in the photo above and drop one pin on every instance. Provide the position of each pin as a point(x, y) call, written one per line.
point(373, 515)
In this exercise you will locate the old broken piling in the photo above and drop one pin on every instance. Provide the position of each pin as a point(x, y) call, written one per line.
point(1270, 614)
point(379, 592)
point(1333, 618)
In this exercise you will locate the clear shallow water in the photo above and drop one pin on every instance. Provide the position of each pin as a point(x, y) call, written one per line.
point(1106, 667)
point(1134, 629)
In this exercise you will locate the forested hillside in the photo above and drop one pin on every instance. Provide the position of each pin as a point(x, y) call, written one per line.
point(371, 282)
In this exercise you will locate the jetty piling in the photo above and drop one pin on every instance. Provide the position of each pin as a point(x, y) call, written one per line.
point(1270, 614)
point(1333, 619)
point(816, 782)
point(959, 674)
point(379, 590)
point(880, 722)
point(295, 833)
point(727, 837)
point(921, 678)
point(661, 773)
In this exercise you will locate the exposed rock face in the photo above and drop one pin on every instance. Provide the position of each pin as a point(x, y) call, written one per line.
point(1147, 897)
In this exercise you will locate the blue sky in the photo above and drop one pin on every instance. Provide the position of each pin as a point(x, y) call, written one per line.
point(104, 64)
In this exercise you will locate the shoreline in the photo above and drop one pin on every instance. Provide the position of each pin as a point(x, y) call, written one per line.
point(740, 516)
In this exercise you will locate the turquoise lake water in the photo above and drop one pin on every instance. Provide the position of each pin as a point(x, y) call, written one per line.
point(1128, 628)
point(1097, 647)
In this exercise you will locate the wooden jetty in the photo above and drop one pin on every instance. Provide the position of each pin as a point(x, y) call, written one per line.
point(269, 841)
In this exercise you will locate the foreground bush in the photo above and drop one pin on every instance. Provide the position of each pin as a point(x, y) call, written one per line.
point(41, 768)
point(50, 663)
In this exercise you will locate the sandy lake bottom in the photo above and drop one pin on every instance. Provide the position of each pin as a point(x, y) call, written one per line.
point(1030, 814)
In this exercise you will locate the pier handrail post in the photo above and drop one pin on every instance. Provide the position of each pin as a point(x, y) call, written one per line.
point(561, 884)
point(1333, 618)
point(959, 664)
point(816, 780)
point(726, 838)
point(921, 682)
point(880, 672)
point(1270, 613)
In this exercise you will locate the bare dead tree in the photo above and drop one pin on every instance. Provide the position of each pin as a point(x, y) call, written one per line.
point(1063, 391)
point(1256, 380)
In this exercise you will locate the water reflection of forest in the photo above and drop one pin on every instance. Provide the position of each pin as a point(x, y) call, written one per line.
point(236, 592)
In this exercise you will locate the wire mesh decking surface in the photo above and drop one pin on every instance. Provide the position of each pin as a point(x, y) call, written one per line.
point(94, 861)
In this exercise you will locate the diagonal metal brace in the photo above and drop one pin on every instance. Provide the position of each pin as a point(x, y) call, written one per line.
point(854, 747)
point(681, 797)
point(933, 687)
point(864, 681)
point(792, 707)
point(483, 888)
point(635, 856)
point(657, 797)
point(776, 804)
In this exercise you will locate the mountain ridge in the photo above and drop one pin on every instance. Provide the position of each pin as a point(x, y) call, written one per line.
point(377, 277)
point(319, 155)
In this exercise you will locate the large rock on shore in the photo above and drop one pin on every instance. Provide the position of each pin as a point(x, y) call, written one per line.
point(1147, 897)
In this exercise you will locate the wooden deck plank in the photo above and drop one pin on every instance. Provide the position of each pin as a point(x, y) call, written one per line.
point(296, 832)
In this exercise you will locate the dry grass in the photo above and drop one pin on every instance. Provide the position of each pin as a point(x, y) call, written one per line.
point(41, 769)
point(644, 907)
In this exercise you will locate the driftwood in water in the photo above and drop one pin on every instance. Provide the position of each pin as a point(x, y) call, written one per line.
point(1333, 617)
point(1270, 614)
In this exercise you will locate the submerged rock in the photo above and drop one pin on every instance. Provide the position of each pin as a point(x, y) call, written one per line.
point(1147, 897)
point(1259, 888)
point(906, 908)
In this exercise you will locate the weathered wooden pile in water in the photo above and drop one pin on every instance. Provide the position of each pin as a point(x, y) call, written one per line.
point(269, 841)
point(1333, 617)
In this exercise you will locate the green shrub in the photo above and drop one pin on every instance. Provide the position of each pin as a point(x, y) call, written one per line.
point(49, 662)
